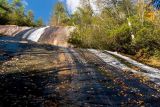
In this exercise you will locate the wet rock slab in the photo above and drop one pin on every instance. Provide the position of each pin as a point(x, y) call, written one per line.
point(39, 75)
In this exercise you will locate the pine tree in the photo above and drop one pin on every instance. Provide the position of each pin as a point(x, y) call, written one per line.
point(39, 22)
point(59, 16)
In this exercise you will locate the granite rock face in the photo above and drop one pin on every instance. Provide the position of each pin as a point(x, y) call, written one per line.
point(55, 35)
point(11, 30)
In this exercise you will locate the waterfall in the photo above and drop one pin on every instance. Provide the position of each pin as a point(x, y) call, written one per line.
point(27, 33)
point(34, 36)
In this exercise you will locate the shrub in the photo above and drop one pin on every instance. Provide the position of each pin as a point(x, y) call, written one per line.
point(120, 39)
point(75, 39)
point(149, 39)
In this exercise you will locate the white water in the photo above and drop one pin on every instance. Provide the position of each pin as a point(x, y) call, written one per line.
point(140, 65)
point(27, 33)
point(36, 34)
point(117, 64)
point(109, 59)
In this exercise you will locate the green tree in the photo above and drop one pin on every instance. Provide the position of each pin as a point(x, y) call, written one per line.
point(14, 13)
point(30, 16)
point(4, 6)
point(39, 22)
point(17, 3)
point(60, 16)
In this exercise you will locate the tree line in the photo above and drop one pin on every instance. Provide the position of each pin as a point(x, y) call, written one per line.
point(14, 14)
point(125, 26)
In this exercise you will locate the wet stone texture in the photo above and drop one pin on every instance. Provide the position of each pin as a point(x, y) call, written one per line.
point(48, 76)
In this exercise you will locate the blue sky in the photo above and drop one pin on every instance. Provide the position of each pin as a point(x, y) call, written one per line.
point(40, 8)
point(44, 8)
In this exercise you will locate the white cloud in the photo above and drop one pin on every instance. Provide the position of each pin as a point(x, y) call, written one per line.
point(94, 6)
point(25, 2)
point(72, 5)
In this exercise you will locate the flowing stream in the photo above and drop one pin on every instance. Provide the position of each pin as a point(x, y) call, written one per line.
point(107, 58)
point(35, 35)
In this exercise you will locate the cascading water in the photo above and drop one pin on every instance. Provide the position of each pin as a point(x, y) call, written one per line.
point(35, 35)
point(28, 33)
point(152, 73)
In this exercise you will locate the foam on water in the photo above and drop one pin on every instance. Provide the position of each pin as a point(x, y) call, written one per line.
point(27, 33)
point(140, 65)
point(110, 60)
point(37, 34)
